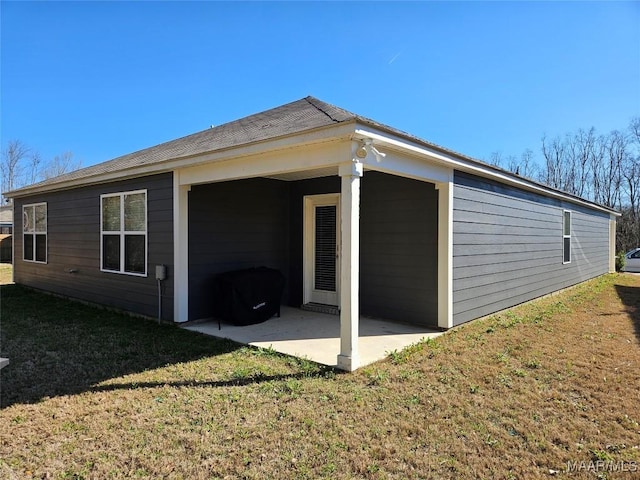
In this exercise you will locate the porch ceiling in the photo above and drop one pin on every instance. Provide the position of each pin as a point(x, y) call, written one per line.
point(316, 336)
point(306, 174)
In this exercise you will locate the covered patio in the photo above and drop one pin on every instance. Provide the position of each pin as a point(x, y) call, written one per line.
point(316, 336)
point(354, 218)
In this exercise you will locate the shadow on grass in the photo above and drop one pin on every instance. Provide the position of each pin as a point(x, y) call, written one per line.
point(60, 347)
point(237, 382)
point(630, 297)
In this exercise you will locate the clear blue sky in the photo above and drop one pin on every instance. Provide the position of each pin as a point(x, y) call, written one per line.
point(102, 79)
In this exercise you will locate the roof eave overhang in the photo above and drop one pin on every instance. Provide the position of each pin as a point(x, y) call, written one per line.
point(329, 133)
point(409, 145)
point(355, 129)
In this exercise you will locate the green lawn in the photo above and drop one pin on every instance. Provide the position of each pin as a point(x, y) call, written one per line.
point(94, 394)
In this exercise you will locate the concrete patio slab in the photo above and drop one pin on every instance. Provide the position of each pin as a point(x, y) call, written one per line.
point(3, 362)
point(316, 336)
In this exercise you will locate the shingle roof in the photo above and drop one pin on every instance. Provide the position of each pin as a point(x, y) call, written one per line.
point(295, 117)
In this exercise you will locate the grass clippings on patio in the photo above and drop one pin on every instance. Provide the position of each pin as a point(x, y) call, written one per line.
point(92, 394)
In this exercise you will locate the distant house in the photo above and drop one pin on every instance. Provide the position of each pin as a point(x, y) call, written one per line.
point(6, 232)
point(356, 214)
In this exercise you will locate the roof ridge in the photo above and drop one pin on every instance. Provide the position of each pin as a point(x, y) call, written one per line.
point(311, 100)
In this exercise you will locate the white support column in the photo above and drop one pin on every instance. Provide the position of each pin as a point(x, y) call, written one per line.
point(180, 249)
point(445, 254)
point(350, 174)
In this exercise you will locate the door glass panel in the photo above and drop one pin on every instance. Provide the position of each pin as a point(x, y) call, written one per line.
point(325, 248)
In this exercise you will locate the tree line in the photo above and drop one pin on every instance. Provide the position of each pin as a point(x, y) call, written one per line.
point(603, 168)
point(21, 165)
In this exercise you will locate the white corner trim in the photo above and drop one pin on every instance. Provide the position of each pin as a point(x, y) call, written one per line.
point(612, 244)
point(445, 254)
point(13, 242)
point(180, 249)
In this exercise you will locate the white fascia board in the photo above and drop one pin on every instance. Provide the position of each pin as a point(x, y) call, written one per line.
point(320, 135)
point(409, 166)
point(458, 163)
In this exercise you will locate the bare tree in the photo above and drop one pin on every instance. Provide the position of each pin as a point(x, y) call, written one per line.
point(582, 148)
point(634, 130)
point(496, 159)
point(615, 148)
point(513, 165)
point(602, 168)
point(529, 167)
point(525, 166)
point(59, 165)
point(21, 165)
point(34, 167)
point(11, 167)
point(629, 224)
point(554, 172)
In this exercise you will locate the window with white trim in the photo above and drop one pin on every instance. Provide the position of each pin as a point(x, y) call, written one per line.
point(34, 232)
point(123, 232)
point(566, 236)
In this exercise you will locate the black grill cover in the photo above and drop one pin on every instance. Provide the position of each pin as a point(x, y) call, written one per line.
point(245, 297)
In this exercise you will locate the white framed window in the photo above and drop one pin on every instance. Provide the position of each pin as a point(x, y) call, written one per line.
point(34, 232)
point(123, 232)
point(566, 236)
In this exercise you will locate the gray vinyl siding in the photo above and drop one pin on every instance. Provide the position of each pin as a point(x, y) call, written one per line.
point(508, 248)
point(73, 243)
point(234, 225)
point(399, 249)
